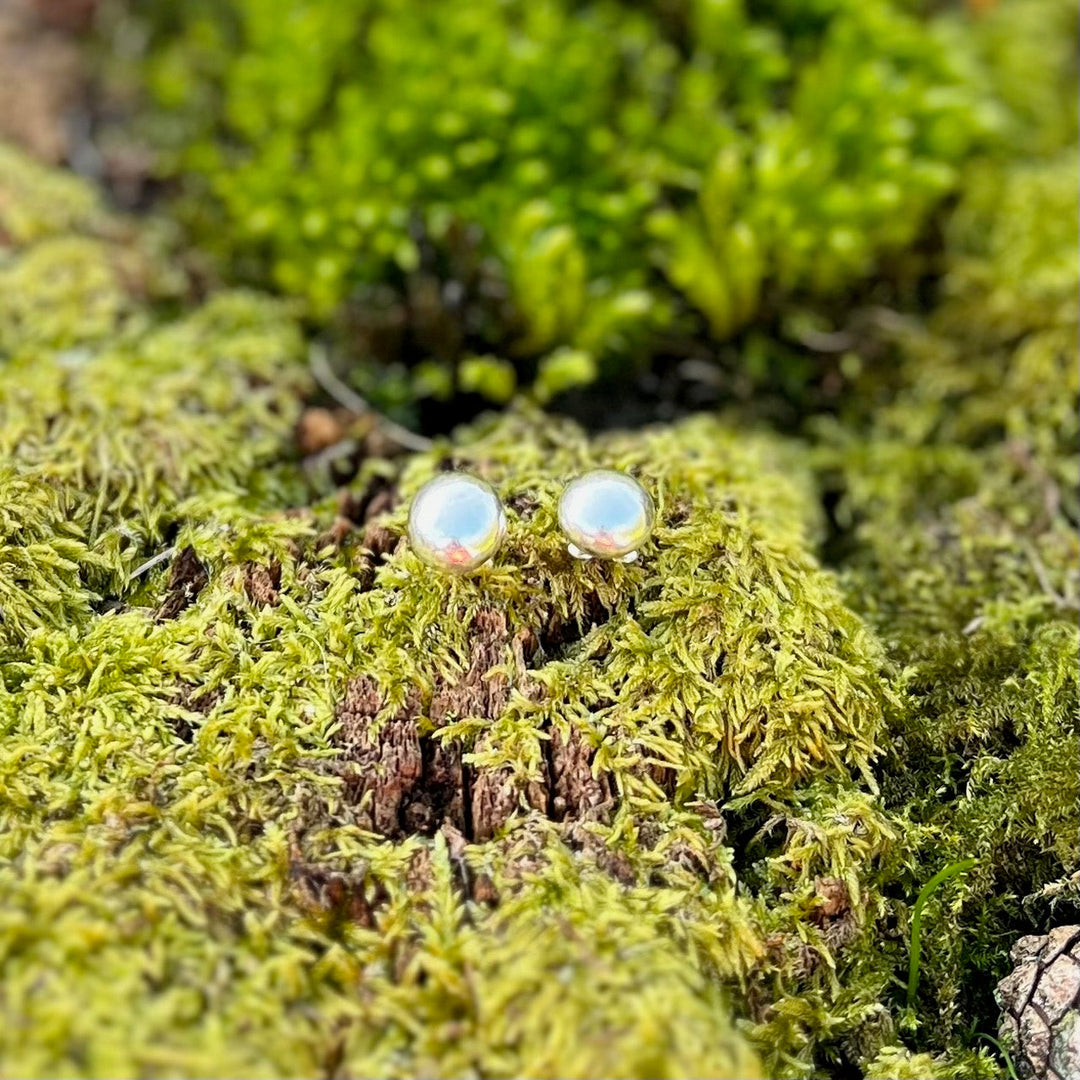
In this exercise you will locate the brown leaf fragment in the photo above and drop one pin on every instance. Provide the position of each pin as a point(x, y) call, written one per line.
point(186, 581)
point(261, 583)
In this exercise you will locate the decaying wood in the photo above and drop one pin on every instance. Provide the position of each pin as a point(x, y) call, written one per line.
point(186, 580)
point(261, 583)
point(416, 783)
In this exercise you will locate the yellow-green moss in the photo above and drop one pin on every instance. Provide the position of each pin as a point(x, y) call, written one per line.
point(39, 202)
point(196, 874)
point(108, 420)
point(899, 1063)
point(723, 663)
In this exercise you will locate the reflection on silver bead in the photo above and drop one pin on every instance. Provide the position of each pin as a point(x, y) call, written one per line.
point(456, 522)
point(605, 514)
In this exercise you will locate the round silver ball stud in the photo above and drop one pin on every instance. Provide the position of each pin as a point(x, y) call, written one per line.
point(605, 515)
point(456, 523)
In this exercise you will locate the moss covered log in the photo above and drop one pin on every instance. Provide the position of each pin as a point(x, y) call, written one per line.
point(285, 802)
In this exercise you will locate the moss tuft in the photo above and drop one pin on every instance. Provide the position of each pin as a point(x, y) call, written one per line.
point(899, 1063)
point(37, 202)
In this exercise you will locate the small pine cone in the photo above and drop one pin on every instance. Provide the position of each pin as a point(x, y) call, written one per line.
point(1040, 1002)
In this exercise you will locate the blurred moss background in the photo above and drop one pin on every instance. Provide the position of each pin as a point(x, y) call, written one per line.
point(480, 197)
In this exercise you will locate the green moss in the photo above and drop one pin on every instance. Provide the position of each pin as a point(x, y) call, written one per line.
point(275, 805)
point(38, 202)
point(958, 506)
point(279, 800)
point(899, 1063)
point(688, 687)
point(686, 168)
point(993, 361)
point(968, 604)
point(1017, 39)
point(61, 293)
point(109, 422)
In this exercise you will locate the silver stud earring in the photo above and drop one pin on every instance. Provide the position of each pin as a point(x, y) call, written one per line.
point(605, 515)
point(456, 523)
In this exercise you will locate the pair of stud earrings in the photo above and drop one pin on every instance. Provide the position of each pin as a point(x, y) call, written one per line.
point(457, 523)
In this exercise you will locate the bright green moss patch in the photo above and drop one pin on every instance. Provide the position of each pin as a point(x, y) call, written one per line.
point(622, 176)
